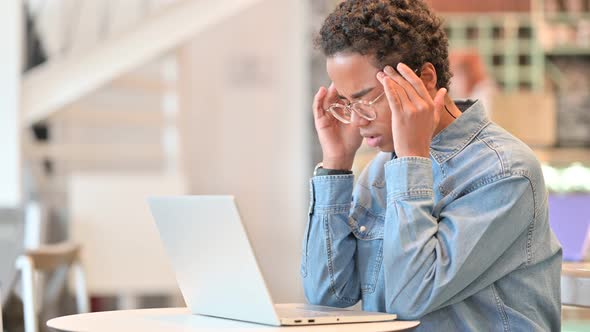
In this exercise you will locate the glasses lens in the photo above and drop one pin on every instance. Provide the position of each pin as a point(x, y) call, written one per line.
point(340, 112)
point(365, 111)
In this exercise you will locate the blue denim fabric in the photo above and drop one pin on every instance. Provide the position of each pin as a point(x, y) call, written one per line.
point(460, 240)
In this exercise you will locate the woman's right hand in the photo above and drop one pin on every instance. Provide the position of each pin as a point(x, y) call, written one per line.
point(339, 141)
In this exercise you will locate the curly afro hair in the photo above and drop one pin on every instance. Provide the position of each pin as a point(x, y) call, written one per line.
point(392, 31)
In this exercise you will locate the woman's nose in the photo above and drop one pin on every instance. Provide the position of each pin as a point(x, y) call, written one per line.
point(357, 120)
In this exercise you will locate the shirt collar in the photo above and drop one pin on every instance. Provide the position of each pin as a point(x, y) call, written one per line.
point(460, 132)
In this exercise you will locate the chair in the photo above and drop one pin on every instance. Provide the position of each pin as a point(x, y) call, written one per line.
point(44, 259)
point(120, 233)
point(1, 326)
point(575, 284)
point(11, 245)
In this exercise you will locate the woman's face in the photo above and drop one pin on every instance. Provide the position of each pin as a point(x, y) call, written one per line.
point(354, 77)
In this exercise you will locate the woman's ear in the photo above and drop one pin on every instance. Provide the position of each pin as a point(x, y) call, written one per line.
point(428, 76)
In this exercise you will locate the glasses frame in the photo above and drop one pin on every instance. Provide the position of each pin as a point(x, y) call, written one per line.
point(350, 107)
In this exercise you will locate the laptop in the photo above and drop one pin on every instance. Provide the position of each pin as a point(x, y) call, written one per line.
point(217, 271)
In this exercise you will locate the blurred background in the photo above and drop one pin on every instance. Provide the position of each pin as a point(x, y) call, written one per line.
point(104, 103)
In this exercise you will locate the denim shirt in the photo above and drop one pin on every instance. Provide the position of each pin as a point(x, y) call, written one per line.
point(460, 240)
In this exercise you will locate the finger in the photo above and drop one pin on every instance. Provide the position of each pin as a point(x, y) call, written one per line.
point(406, 102)
point(439, 99)
point(408, 93)
point(331, 96)
point(413, 79)
point(318, 100)
point(389, 86)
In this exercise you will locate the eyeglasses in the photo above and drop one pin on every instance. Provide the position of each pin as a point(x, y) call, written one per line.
point(364, 109)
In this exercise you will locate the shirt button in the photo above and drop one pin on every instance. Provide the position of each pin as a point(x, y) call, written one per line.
point(362, 229)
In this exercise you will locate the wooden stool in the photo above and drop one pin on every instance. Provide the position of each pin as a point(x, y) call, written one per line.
point(48, 258)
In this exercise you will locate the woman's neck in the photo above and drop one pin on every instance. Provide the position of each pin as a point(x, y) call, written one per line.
point(449, 113)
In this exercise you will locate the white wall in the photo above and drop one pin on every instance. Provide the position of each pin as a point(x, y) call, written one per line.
point(10, 66)
point(246, 128)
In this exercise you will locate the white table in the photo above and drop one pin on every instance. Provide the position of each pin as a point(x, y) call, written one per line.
point(180, 319)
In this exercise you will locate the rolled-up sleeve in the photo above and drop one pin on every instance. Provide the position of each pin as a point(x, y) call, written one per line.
point(430, 262)
point(328, 267)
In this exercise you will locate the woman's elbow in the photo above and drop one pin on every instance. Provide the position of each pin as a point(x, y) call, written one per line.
point(327, 297)
point(406, 309)
point(318, 296)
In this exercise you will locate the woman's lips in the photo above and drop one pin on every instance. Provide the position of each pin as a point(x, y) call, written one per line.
point(373, 141)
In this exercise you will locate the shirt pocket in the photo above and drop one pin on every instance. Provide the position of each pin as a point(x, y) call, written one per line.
point(367, 227)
